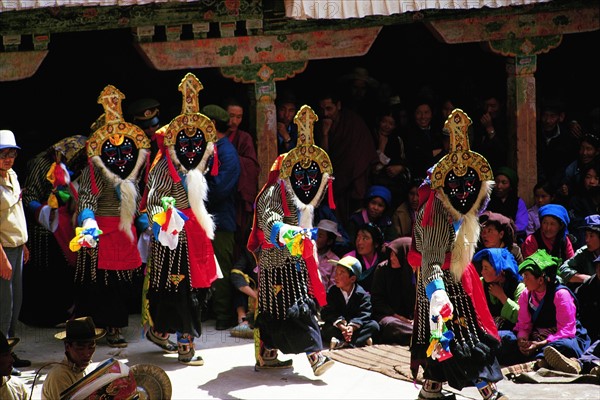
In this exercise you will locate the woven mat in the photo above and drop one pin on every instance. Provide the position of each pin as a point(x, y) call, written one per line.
point(394, 361)
point(390, 360)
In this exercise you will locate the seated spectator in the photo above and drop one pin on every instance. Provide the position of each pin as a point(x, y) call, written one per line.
point(326, 237)
point(79, 340)
point(422, 141)
point(589, 149)
point(490, 136)
point(498, 231)
point(505, 200)
point(547, 315)
point(556, 147)
point(404, 216)
point(376, 210)
point(391, 171)
point(502, 285)
point(580, 267)
point(11, 387)
point(243, 278)
point(588, 295)
point(347, 314)
point(393, 294)
point(543, 193)
point(552, 234)
point(586, 200)
point(343, 244)
point(369, 243)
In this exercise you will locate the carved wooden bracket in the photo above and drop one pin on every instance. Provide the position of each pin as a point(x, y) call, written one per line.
point(259, 73)
point(513, 47)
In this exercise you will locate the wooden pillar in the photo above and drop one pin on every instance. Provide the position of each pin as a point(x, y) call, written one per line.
point(266, 127)
point(262, 104)
point(521, 106)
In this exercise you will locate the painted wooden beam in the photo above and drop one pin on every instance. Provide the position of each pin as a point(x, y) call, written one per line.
point(502, 27)
point(248, 50)
point(17, 65)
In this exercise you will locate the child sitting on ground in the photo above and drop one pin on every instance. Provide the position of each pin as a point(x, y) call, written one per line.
point(347, 314)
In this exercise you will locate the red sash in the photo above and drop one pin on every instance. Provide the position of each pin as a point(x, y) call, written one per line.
point(115, 250)
point(474, 289)
point(201, 256)
point(64, 233)
point(316, 284)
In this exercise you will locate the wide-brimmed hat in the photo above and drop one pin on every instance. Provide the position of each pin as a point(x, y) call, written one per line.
point(349, 262)
point(329, 226)
point(153, 380)
point(81, 330)
point(7, 140)
point(7, 344)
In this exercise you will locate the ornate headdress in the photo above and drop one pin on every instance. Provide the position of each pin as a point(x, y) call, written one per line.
point(462, 164)
point(116, 130)
point(190, 121)
point(305, 154)
point(459, 157)
point(114, 127)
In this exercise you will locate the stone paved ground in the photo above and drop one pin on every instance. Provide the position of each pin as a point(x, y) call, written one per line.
point(229, 373)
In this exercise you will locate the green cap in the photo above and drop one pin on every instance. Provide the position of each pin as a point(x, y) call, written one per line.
point(540, 263)
point(215, 112)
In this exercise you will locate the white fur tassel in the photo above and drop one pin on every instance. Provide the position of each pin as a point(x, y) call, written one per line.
point(197, 195)
point(464, 246)
point(128, 206)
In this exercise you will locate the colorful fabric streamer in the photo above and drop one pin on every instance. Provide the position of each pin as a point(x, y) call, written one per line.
point(294, 239)
point(439, 344)
point(168, 224)
point(84, 237)
point(60, 178)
